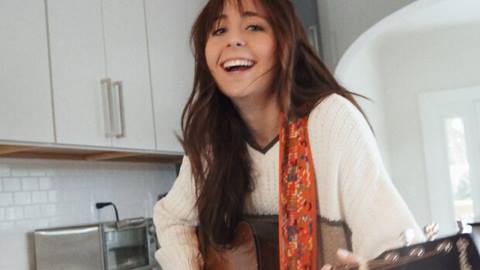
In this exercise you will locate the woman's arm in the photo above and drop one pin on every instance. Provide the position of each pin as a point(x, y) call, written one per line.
point(175, 219)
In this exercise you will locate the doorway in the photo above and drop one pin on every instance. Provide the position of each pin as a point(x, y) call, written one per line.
point(451, 135)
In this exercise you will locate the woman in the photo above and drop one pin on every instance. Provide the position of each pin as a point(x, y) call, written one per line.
point(254, 68)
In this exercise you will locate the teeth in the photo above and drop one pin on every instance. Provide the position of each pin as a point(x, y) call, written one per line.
point(238, 62)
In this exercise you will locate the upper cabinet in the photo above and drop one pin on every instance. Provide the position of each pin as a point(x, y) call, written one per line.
point(127, 63)
point(96, 73)
point(172, 64)
point(25, 91)
point(100, 75)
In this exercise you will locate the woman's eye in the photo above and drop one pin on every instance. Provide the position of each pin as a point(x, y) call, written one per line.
point(255, 27)
point(218, 31)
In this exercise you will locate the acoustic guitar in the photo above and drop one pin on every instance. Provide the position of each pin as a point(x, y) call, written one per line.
point(255, 247)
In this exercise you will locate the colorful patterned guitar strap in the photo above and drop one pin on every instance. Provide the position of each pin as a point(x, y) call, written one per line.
point(297, 217)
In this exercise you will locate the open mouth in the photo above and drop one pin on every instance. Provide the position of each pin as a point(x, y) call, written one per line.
point(238, 65)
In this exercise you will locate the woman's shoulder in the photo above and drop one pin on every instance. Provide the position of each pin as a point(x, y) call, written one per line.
point(333, 108)
point(337, 120)
point(332, 103)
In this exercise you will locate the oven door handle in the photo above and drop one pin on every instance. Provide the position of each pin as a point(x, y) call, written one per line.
point(131, 222)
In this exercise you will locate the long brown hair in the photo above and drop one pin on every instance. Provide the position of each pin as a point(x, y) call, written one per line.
point(213, 131)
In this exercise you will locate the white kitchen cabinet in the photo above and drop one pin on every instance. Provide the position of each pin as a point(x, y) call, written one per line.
point(92, 40)
point(25, 90)
point(78, 66)
point(127, 61)
point(172, 65)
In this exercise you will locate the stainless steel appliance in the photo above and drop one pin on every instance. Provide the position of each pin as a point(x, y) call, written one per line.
point(125, 245)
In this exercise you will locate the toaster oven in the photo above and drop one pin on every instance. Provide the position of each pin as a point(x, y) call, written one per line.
point(126, 245)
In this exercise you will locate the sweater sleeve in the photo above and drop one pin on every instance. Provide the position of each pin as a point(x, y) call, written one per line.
point(175, 219)
point(372, 207)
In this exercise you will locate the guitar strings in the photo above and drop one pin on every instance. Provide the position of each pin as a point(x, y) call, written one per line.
point(385, 265)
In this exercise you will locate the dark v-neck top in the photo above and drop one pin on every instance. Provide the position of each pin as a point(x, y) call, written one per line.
point(264, 149)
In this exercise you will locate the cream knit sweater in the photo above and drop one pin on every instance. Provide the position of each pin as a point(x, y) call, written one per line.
point(352, 185)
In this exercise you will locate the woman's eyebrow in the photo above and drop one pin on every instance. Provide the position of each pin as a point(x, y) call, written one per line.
point(244, 14)
point(252, 14)
point(220, 17)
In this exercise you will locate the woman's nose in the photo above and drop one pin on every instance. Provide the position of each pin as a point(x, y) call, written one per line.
point(236, 43)
point(235, 40)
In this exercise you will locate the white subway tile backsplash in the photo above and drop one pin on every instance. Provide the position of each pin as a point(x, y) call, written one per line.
point(64, 209)
point(6, 226)
point(32, 211)
point(19, 172)
point(11, 184)
point(4, 170)
point(48, 210)
point(80, 195)
point(6, 199)
point(21, 198)
point(52, 196)
point(28, 224)
point(29, 183)
point(38, 194)
point(37, 172)
point(43, 223)
point(14, 213)
point(39, 197)
point(44, 182)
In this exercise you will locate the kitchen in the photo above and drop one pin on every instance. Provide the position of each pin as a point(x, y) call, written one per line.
point(72, 134)
point(90, 110)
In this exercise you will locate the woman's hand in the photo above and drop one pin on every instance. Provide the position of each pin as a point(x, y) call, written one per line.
point(346, 257)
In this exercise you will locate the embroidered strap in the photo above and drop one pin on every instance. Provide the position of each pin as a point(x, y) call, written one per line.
point(297, 199)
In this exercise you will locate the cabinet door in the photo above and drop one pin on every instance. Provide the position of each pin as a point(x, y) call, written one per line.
point(78, 66)
point(25, 91)
point(127, 61)
point(172, 65)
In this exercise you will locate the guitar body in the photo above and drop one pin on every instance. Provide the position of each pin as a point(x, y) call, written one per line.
point(255, 247)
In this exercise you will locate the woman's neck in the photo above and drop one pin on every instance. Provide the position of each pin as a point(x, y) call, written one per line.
point(261, 118)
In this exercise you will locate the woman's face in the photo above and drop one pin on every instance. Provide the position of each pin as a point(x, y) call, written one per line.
point(240, 52)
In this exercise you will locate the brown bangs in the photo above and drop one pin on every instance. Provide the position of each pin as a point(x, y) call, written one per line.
point(212, 13)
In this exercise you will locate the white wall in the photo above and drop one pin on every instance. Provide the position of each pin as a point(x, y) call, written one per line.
point(43, 193)
point(343, 21)
point(434, 59)
point(430, 45)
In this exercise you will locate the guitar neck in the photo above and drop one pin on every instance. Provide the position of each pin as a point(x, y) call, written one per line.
point(458, 252)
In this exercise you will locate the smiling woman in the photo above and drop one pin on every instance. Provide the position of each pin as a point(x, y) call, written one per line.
point(258, 85)
point(240, 53)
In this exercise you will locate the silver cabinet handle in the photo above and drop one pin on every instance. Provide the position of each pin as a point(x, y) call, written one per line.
point(107, 106)
point(118, 112)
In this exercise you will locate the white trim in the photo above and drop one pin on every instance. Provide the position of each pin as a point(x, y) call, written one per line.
point(434, 107)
